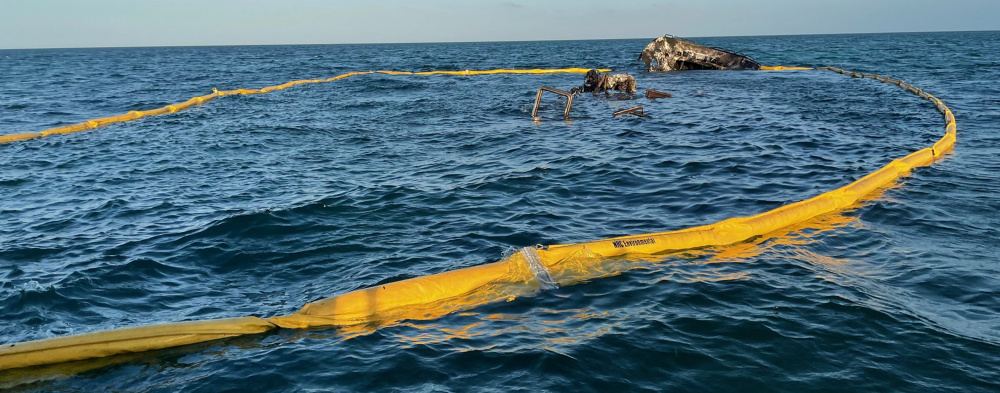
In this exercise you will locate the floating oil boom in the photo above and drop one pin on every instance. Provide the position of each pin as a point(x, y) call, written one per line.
point(522, 272)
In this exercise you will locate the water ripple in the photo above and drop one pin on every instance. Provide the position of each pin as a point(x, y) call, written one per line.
point(257, 205)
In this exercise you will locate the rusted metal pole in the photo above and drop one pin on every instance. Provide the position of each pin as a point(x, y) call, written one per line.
point(636, 110)
point(602, 86)
point(538, 100)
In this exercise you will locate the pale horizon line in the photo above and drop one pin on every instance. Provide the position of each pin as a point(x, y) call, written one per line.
point(491, 41)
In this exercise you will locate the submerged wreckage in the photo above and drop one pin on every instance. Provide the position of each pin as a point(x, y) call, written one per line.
point(671, 53)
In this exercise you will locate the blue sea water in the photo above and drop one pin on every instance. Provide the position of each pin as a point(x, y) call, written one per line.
point(257, 205)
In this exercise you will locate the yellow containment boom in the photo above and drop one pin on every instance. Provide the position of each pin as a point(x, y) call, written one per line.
point(783, 68)
point(134, 115)
point(520, 273)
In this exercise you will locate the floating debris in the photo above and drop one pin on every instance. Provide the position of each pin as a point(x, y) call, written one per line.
point(636, 110)
point(653, 94)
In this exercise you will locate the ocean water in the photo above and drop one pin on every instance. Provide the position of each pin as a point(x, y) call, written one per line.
point(257, 205)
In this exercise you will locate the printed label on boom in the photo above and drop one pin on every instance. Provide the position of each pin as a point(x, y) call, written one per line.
point(630, 243)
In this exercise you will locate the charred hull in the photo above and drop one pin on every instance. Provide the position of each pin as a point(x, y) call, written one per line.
point(671, 53)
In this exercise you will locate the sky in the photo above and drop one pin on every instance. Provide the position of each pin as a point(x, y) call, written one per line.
point(115, 23)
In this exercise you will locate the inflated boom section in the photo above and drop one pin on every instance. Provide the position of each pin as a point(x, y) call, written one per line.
point(134, 115)
point(523, 272)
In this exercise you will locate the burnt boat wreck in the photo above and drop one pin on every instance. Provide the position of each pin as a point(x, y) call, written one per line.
point(595, 82)
point(671, 54)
